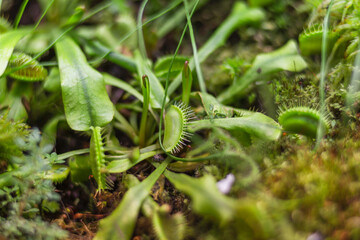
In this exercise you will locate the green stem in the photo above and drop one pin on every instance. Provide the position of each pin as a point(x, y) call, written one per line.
point(20, 13)
point(43, 15)
point(146, 94)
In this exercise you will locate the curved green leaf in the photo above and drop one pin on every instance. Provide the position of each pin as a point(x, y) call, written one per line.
point(113, 81)
point(121, 222)
point(83, 89)
point(122, 165)
point(162, 65)
point(8, 41)
point(214, 109)
point(286, 58)
point(207, 200)
point(256, 124)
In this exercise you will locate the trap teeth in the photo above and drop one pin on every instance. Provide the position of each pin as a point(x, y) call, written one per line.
point(177, 119)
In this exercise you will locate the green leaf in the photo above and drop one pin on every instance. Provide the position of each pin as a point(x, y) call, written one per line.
point(214, 109)
point(257, 125)
point(207, 200)
point(113, 81)
point(118, 166)
point(52, 82)
point(50, 130)
point(121, 223)
point(237, 121)
point(83, 89)
point(17, 110)
point(163, 64)
point(285, 58)
point(156, 89)
point(168, 226)
point(8, 41)
point(14, 98)
point(80, 169)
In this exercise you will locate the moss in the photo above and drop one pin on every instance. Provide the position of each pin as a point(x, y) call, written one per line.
point(324, 184)
point(9, 132)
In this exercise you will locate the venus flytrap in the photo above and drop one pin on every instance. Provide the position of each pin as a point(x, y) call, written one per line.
point(87, 105)
point(33, 72)
point(97, 157)
point(303, 120)
point(176, 123)
point(310, 39)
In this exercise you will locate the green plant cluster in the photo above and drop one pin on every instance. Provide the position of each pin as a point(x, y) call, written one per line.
point(9, 132)
point(25, 191)
point(114, 112)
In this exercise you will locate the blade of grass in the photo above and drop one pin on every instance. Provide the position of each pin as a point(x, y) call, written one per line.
point(43, 14)
point(20, 13)
point(240, 15)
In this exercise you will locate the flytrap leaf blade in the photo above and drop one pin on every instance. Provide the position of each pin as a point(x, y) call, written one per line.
point(256, 125)
point(86, 101)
